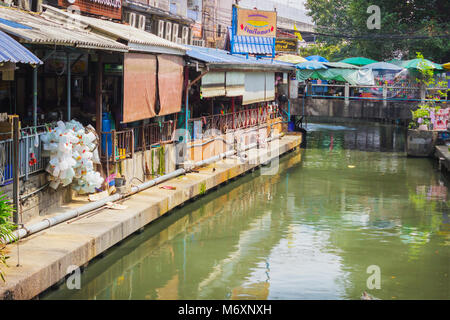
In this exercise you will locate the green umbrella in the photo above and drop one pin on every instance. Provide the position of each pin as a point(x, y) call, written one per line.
point(358, 61)
point(420, 64)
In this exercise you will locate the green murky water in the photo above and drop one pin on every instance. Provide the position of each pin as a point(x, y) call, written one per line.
point(350, 201)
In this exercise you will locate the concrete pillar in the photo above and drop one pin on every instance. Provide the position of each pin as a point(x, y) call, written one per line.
point(384, 95)
point(347, 93)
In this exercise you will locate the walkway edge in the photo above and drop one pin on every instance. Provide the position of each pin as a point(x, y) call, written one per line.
point(46, 256)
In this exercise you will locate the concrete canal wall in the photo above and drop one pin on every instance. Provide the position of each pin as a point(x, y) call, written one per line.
point(46, 257)
point(355, 109)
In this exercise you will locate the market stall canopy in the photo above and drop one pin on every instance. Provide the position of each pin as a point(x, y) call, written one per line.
point(416, 64)
point(291, 58)
point(420, 64)
point(12, 51)
point(358, 61)
point(34, 28)
point(340, 65)
point(383, 66)
point(138, 39)
point(316, 58)
point(311, 65)
point(352, 76)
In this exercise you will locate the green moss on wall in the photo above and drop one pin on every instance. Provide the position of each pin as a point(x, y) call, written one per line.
point(202, 188)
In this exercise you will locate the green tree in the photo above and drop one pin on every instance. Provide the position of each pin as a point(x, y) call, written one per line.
point(345, 22)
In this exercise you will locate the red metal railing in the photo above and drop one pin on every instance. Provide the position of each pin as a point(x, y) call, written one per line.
point(224, 122)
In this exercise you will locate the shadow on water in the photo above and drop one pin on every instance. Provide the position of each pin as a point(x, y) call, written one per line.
point(351, 200)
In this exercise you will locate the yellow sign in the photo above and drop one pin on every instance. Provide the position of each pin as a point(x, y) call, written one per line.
point(299, 36)
point(256, 23)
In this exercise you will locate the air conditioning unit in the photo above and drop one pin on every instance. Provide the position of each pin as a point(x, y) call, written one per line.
point(132, 19)
point(175, 32)
point(185, 35)
point(141, 22)
point(168, 31)
point(161, 24)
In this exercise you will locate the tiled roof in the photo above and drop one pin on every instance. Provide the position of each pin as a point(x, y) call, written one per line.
point(116, 30)
point(34, 28)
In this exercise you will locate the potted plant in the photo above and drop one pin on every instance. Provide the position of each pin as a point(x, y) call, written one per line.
point(421, 138)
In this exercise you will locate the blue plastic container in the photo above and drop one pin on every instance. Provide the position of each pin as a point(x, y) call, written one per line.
point(106, 127)
point(291, 126)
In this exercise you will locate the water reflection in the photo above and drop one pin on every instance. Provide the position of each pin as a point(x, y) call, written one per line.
point(309, 232)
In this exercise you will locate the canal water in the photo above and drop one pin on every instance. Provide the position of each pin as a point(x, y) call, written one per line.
point(334, 217)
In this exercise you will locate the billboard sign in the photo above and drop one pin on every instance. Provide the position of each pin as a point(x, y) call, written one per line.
point(286, 45)
point(256, 23)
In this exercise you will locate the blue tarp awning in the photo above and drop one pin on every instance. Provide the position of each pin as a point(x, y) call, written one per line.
point(13, 51)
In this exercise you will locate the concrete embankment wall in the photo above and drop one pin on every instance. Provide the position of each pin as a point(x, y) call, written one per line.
point(46, 257)
point(355, 109)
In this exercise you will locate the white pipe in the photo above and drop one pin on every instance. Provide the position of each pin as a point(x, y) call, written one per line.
point(48, 222)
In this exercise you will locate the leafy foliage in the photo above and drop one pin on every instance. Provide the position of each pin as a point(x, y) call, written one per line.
point(6, 229)
point(408, 19)
point(422, 115)
point(329, 51)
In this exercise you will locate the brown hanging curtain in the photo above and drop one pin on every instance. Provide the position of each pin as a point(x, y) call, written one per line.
point(139, 92)
point(170, 83)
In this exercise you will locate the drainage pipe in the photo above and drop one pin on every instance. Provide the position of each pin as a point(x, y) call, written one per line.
point(49, 222)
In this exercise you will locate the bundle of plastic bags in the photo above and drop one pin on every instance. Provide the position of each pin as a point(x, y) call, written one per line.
point(72, 150)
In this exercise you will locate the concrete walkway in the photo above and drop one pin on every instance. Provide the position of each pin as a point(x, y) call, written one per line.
point(46, 256)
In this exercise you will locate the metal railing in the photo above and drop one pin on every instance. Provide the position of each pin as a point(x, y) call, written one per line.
point(117, 145)
point(123, 144)
point(31, 154)
point(153, 134)
point(205, 127)
point(376, 93)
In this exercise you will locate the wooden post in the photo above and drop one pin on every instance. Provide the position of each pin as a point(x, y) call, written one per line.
point(69, 88)
point(16, 168)
point(99, 102)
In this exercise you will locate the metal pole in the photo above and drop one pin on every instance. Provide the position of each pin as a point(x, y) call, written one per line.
point(16, 175)
point(35, 70)
point(69, 94)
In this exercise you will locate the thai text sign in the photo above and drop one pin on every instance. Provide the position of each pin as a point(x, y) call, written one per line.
point(286, 45)
point(256, 23)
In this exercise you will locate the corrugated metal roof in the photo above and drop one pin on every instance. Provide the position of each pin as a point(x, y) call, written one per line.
point(12, 51)
point(115, 30)
point(251, 45)
point(217, 58)
point(34, 28)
